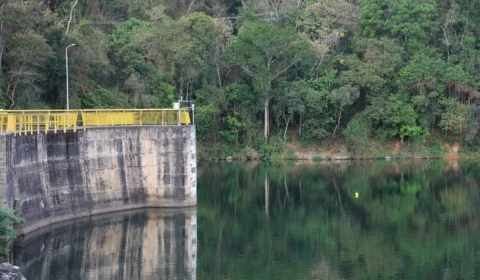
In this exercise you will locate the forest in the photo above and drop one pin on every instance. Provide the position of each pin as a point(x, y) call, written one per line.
point(261, 72)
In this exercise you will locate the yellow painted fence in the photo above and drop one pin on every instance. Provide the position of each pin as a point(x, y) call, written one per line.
point(36, 121)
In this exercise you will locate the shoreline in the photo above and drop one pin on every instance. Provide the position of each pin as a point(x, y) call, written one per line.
point(334, 158)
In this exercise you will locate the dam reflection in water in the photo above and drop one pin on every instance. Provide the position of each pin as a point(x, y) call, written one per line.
point(144, 244)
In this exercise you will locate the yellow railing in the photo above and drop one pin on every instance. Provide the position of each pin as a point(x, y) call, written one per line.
point(30, 121)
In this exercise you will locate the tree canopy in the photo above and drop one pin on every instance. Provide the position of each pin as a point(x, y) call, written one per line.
point(258, 69)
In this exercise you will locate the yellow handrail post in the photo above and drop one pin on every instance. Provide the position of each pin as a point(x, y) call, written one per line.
point(75, 118)
point(25, 124)
point(55, 124)
point(83, 122)
point(47, 123)
point(11, 123)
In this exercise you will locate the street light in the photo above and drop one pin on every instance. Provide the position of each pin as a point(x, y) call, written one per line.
point(66, 64)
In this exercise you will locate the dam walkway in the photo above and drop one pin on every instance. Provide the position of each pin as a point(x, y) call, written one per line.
point(23, 122)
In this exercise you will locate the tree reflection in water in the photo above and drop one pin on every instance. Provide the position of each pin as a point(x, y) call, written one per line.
point(346, 220)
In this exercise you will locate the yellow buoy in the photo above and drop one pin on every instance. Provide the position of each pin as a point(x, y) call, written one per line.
point(342, 34)
point(356, 195)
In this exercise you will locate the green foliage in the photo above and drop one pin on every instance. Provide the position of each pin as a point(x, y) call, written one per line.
point(455, 116)
point(263, 50)
point(435, 148)
point(374, 64)
point(357, 135)
point(402, 19)
point(106, 99)
point(234, 126)
point(314, 131)
point(7, 233)
point(345, 96)
point(266, 151)
point(327, 82)
point(319, 108)
point(300, 70)
point(228, 149)
point(389, 116)
point(205, 121)
point(413, 132)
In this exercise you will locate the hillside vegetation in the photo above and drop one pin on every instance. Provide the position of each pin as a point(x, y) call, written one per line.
point(262, 72)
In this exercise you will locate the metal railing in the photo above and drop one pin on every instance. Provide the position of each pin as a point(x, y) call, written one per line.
point(30, 121)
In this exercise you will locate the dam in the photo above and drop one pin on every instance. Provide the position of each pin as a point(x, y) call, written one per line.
point(57, 165)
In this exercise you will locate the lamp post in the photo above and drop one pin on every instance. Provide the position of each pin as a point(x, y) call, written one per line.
point(66, 64)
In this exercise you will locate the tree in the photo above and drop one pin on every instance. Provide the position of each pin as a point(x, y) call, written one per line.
point(455, 116)
point(318, 120)
point(23, 52)
point(374, 66)
point(404, 19)
point(265, 52)
point(429, 80)
point(343, 97)
point(290, 102)
point(390, 115)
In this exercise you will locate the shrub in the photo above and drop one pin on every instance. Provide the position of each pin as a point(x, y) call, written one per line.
point(7, 233)
point(413, 132)
point(357, 135)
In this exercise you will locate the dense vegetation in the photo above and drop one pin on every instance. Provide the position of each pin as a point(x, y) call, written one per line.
point(287, 69)
point(7, 233)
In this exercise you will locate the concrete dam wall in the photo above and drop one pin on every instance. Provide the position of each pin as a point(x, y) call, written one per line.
point(48, 178)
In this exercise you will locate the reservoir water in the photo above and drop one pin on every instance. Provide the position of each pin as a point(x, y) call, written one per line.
point(329, 220)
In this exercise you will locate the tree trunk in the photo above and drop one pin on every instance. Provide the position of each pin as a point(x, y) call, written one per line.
point(1, 39)
point(219, 76)
point(266, 127)
point(300, 127)
point(338, 123)
point(12, 85)
point(71, 16)
point(287, 121)
point(1, 52)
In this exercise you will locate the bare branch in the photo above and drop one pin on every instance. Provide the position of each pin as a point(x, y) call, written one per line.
point(189, 7)
point(71, 15)
point(281, 72)
point(247, 71)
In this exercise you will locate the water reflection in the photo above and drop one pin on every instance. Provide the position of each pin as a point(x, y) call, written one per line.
point(146, 244)
point(350, 220)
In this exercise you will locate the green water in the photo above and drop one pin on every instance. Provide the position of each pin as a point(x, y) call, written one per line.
point(345, 220)
point(305, 221)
